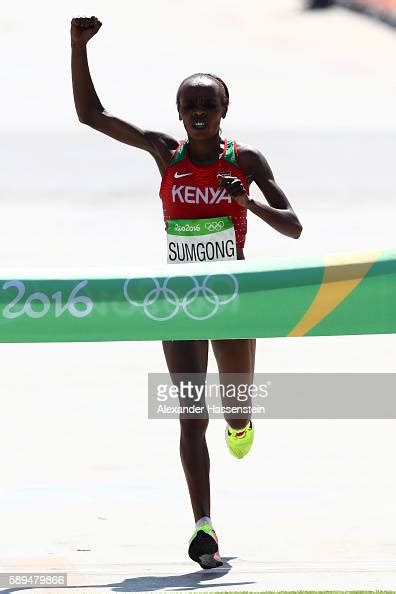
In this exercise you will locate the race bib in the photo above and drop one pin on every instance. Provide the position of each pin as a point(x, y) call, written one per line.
point(201, 240)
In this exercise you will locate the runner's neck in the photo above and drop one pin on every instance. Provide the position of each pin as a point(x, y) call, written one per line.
point(203, 153)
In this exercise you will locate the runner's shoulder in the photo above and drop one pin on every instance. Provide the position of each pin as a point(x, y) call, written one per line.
point(248, 153)
point(251, 159)
point(162, 144)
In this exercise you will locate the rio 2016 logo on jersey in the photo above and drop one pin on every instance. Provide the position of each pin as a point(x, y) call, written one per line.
point(193, 195)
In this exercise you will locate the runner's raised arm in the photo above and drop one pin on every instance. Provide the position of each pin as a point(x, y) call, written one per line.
point(89, 108)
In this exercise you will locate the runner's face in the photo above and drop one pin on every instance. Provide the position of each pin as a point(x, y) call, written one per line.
point(201, 109)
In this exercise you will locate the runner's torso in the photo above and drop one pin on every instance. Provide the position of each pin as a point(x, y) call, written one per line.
point(190, 191)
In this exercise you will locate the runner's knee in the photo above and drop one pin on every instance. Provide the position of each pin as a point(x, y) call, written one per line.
point(192, 429)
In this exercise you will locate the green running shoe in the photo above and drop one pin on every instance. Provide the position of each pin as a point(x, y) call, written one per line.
point(240, 441)
point(204, 547)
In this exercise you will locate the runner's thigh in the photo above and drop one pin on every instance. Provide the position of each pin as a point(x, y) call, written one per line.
point(235, 361)
point(186, 356)
point(187, 362)
point(235, 355)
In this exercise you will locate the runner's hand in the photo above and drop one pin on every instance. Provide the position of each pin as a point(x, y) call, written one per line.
point(82, 29)
point(234, 187)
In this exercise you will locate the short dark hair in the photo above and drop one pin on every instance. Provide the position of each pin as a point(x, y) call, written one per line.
point(225, 96)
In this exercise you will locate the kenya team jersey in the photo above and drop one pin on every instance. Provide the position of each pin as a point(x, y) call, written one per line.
point(191, 191)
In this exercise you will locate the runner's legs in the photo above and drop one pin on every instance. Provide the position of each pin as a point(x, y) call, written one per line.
point(186, 357)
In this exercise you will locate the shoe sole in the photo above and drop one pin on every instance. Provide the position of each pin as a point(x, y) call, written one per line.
point(229, 448)
point(202, 550)
point(232, 452)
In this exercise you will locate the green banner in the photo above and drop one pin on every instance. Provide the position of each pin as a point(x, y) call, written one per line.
point(339, 294)
point(198, 227)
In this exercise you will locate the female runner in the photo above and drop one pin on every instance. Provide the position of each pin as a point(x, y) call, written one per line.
point(206, 177)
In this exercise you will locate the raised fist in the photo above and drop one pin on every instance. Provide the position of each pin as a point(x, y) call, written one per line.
point(82, 29)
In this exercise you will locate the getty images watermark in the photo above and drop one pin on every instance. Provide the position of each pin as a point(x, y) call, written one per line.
point(273, 395)
point(192, 396)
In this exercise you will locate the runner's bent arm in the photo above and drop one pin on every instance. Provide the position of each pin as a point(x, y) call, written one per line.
point(278, 212)
point(90, 110)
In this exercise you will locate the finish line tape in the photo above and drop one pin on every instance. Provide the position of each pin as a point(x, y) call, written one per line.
point(337, 295)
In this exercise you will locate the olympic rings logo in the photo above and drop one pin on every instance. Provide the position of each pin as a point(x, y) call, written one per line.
point(162, 303)
point(214, 226)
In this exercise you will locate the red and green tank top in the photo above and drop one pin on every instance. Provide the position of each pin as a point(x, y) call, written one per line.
point(191, 191)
